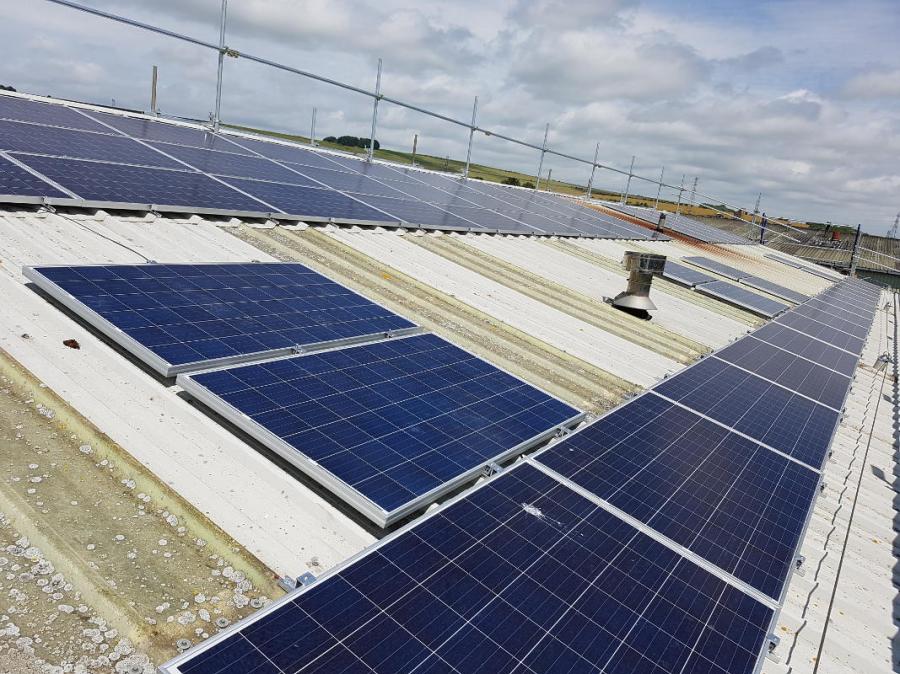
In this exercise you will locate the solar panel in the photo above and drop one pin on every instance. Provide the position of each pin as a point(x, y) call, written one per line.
point(783, 420)
point(101, 182)
point(153, 130)
point(857, 327)
point(380, 193)
point(34, 139)
point(783, 260)
point(312, 203)
point(722, 496)
point(16, 181)
point(388, 426)
point(791, 371)
point(183, 317)
point(774, 289)
point(229, 164)
point(843, 309)
point(808, 347)
point(522, 575)
point(685, 275)
point(717, 267)
point(743, 298)
point(24, 110)
point(684, 225)
point(823, 332)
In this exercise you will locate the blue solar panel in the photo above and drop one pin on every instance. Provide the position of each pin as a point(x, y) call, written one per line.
point(685, 225)
point(857, 327)
point(181, 316)
point(311, 202)
point(725, 498)
point(774, 289)
point(852, 311)
point(351, 182)
point(94, 181)
point(228, 164)
point(719, 268)
point(768, 413)
point(16, 181)
point(685, 275)
point(784, 261)
point(823, 332)
point(489, 585)
point(42, 113)
point(417, 213)
point(161, 131)
point(287, 153)
point(807, 347)
point(791, 371)
point(20, 137)
point(394, 421)
point(742, 298)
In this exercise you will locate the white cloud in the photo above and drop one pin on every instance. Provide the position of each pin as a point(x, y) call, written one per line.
point(877, 84)
point(794, 110)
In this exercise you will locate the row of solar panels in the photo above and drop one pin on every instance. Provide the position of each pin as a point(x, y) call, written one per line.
point(710, 285)
point(659, 538)
point(386, 425)
point(67, 153)
point(682, 225)
point(815, 270)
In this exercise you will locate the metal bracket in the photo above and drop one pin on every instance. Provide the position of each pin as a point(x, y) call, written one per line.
point(297, 350)
point(799, 562)
point(773, 641)
point(289, 584)
point(46, 207)
point(491, 469)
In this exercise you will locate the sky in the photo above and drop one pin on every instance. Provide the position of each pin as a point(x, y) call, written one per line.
point(797, 100)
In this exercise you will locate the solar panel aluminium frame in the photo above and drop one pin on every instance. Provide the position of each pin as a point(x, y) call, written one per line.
point(233, 136)
point(334, 484)
point(173, 666)
point(703, 289)
point(166, 369)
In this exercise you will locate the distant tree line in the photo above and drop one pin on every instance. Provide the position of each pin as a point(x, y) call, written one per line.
point(512, 180)
point(6, 87)
point(352, 141)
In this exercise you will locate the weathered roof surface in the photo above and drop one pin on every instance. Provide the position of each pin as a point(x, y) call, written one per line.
point(534, 306)
point(860, 484)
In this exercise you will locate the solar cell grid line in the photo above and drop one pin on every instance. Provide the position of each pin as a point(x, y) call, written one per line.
point(16, 181)
point(159, 130)
point(46, 140)
point(717, 267)
point(817, 331)
point(179, 317)
point(317, 203)
point(519, 575)
point(826, 322)
point(807, 347)
point(387, 426)
point(774, 289)
point(854, 310)
point(765, 412)
point(682, 225)
point(230, 164)
point(685, 275)
point(741, 297)
point(25, 110)
point(814, 381)
point(724, 497)
point(101, 183)
point(855, 328)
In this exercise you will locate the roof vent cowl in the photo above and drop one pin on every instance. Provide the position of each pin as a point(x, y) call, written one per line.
point(643, 267)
